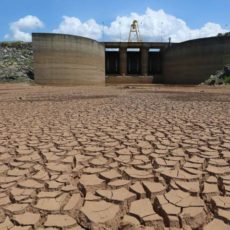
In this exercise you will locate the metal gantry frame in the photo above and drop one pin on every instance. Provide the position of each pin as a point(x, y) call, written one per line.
point(134, 29)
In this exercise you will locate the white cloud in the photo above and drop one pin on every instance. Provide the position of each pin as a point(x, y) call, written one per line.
point(154, 26)
point(20, 28)
point(72, 25)
point(157, 26)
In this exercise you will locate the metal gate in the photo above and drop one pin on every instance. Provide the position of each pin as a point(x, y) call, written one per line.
point(112, 63)
point(155, 63)
point(133, 63)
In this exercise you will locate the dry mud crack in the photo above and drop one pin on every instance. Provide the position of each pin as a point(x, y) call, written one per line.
point(114, 158)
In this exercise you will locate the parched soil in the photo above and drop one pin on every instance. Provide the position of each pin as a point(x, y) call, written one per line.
point(115, 157)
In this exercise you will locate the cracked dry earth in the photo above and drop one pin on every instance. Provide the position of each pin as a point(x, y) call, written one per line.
point(112, 158)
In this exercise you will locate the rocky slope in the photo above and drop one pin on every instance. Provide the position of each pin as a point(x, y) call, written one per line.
point(221, 77)
point(16, 61)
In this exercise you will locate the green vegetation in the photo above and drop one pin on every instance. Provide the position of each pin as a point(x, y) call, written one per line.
point(223, 34)
point(14, 78)
point(226, 79)
point(16, 44)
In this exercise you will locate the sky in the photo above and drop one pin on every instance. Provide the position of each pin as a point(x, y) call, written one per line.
point(106, 20)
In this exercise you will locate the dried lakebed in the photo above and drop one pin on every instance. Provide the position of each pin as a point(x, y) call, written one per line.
point(114, 158)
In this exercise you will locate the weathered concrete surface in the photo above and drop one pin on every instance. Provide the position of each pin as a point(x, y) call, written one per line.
point(192, 62)
point(106, 157)
point(68, 60)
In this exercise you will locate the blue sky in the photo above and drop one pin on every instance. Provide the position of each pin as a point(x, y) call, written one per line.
point(110, 20)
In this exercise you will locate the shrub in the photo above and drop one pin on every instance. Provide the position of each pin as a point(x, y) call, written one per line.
point(227, 80)
point(16, 44)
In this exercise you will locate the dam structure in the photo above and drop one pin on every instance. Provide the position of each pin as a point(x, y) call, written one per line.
point(61, 59)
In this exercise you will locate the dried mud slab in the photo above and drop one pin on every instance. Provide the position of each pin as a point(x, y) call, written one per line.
point(143, 211)
point(99, 214)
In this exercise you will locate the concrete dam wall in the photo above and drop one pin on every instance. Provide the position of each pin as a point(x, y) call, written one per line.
point(68, 60)
point(72, 60)
point(192, 62)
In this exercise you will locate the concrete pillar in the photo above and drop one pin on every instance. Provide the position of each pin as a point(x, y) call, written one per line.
point(123, 61)
point(144, 61)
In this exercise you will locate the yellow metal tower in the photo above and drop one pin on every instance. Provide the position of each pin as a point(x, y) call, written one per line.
point(134, 30)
